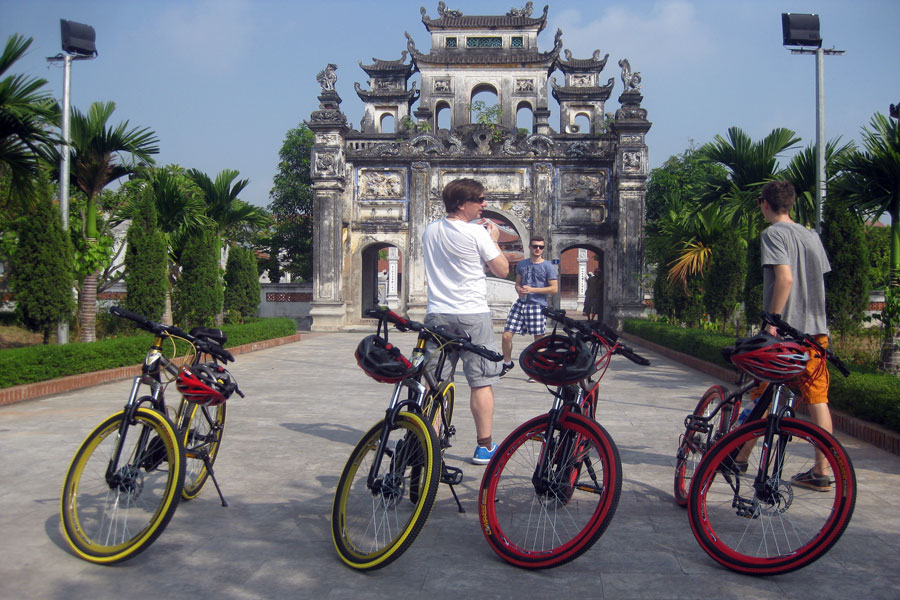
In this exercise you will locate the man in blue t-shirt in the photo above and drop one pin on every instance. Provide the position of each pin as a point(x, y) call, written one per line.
point(536, 279)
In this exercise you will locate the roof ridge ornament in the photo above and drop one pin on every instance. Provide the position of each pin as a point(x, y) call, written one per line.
point(327, 77)
point(521, 12)
point(446, 13)
point(631, 81)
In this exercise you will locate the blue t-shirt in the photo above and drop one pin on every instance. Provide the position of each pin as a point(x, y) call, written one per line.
point(537, 275)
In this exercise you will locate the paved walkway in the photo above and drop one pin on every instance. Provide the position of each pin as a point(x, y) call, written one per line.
point(307, 404)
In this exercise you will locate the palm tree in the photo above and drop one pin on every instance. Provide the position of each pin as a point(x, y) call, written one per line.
point(871, 182)
point(230, 214)
point(180, 210)
point(223, 206)
point(28, 115)
point(801, 171)
point(102, 154)
point(749, 164)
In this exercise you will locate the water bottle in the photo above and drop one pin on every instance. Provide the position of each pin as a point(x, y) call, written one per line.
point(746, 412)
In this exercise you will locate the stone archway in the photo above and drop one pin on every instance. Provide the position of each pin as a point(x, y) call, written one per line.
point(513, 238)
point(381, 276)
point(576, 262)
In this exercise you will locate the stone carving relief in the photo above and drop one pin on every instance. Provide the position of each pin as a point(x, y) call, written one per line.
point(524, 85)
point(631, 162)
point(378, 185)
point(326, 163)
point(442, 85)
point(583, 186)
point(631, 139)
point(582, 80)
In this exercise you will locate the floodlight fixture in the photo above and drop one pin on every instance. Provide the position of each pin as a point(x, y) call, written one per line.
point(77, 38)
point(800, 30)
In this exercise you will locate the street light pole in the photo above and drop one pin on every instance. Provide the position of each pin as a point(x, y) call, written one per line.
point(803, 30)
point(78, 44)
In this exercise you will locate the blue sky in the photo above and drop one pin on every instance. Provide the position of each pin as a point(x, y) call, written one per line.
point(222, 81)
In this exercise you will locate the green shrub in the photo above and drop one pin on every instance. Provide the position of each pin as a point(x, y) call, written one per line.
point(40, 363)
point(865, 394)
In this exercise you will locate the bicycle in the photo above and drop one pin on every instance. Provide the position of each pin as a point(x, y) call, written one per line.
point(388, 485)
point(745, 510)
point(553, 484)
point(127, 477)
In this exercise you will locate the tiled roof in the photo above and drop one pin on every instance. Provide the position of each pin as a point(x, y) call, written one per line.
point(571, 91)
point(484, 56)
point(389, 67)
point(456, 20)
point(595, 63)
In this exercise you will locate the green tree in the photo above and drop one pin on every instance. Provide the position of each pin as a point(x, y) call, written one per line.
point(847, 285)
point(292, 208)
point(198, 295)
point(146, 261)
point(878, 247)
point(101, 154)
point(802, 172)
point(28, 114)
point(41, 279)
point(871, 183)
point(242, 287)
point(724, 281)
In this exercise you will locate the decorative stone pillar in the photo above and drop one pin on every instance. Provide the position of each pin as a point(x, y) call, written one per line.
point(419, 216)
point(393, 259)
point(582, 275)
point(329, 126)
point(632, 159)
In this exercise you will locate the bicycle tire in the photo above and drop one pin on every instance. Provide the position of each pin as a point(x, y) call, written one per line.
point(537, 529)
point(447, 394)
point(105, 524)
point(201, 428)
point(695, 444)
point(371, 529)
point(785, 527)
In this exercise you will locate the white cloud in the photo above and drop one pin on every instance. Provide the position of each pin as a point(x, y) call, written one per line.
point(665, 34)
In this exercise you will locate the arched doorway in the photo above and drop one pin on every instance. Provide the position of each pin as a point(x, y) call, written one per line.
point(382, 272)
point(576, 263)
point(502, 292)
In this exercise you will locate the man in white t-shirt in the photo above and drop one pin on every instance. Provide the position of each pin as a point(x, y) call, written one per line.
point(457, 250)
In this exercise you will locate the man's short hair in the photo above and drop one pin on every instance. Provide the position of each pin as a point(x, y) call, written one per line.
point(459, 191)
point(538, 238)
point(780, 195)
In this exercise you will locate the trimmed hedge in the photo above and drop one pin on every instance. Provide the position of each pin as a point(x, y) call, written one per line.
point(40, 363)
point(874, 397)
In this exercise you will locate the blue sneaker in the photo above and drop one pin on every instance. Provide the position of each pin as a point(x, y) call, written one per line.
point(482, 455)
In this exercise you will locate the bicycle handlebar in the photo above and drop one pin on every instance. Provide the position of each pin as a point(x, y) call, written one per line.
point(384, 313)
point(170, 330)
point(784, 329)
point(597, 329)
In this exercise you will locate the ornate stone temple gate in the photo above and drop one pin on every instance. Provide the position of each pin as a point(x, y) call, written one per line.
point(376, 190)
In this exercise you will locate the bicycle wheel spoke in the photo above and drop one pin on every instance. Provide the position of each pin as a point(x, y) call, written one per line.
point(538, 516)
point(374, 521)
point(110, 518)
point(776, 526)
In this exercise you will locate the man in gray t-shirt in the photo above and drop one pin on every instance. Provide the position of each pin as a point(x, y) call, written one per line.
point(794, 266)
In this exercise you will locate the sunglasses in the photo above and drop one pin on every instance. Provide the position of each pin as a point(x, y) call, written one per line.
point(537, 246)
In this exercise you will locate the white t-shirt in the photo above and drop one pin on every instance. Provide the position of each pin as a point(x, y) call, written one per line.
point(456, 253)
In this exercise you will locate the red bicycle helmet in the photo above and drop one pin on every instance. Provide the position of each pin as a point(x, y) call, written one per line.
point(382, 361)
point(557, 360)
point(207, 384)
point(769, 359)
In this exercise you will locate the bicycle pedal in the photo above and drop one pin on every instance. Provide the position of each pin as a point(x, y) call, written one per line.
point(451, 475)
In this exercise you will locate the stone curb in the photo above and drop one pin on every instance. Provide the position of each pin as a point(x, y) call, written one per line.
point(866, 431)
point(30, 391)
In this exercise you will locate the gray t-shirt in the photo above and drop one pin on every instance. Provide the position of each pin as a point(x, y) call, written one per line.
point(793, 244)
point(536, 275)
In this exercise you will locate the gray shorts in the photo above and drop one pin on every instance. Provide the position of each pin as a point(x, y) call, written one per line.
point(479, 371)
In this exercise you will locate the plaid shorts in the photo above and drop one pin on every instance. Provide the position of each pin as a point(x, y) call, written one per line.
point(526, 317)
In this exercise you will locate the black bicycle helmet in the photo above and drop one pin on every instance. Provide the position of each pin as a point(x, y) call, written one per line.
point(557, 360)
point(207, 384)
point(382, 361)
point(767, 358)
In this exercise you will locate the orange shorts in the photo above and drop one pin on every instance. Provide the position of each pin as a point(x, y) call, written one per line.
point(812, 386)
